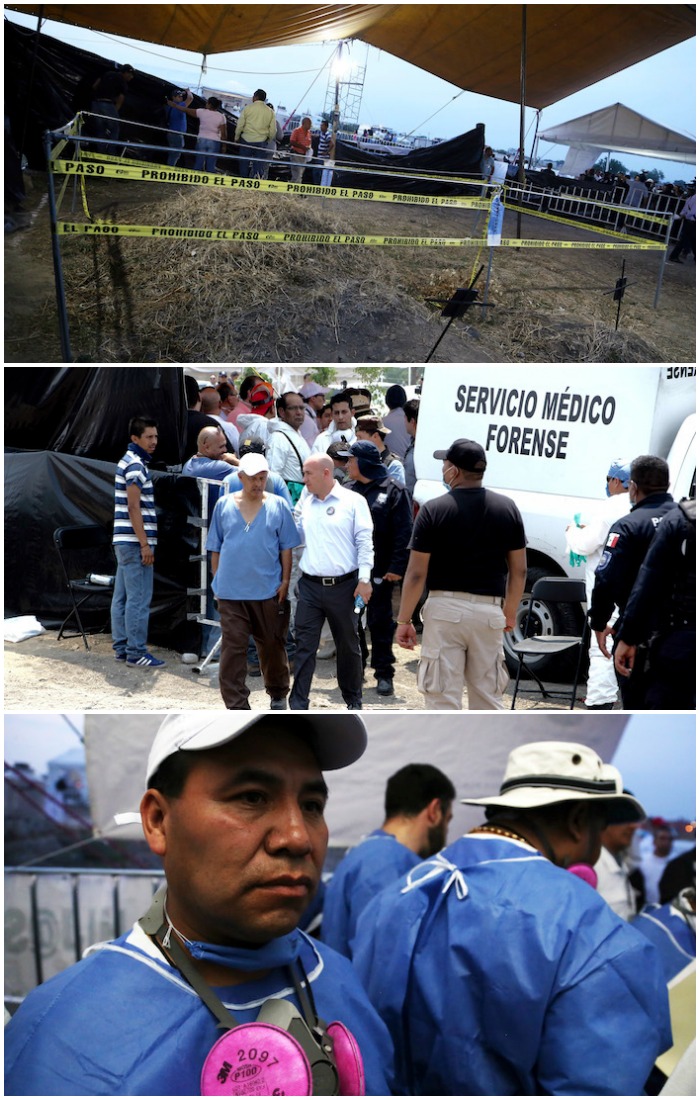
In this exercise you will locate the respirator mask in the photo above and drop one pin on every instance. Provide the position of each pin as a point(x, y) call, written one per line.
point(285, 1052)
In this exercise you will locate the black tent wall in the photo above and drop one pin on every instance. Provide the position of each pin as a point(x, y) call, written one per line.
point(79, 418)
point(86, 410)
point(60, 86)
point(45, 490)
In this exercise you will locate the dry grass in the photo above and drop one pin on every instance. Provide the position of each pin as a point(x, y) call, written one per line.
point(226, 301)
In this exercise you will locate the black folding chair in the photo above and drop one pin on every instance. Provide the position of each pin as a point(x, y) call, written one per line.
point(86, 551)
point(551, 590)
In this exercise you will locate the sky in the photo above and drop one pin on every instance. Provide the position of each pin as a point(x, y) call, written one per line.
point(405, 98)
point(656, 754)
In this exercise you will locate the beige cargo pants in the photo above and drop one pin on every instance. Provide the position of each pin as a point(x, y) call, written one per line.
point(462, 644)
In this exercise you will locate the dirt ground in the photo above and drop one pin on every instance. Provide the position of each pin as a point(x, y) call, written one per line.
point(45, 674)
point(135, 300)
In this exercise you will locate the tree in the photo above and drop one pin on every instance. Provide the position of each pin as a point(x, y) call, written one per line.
point(616, 167)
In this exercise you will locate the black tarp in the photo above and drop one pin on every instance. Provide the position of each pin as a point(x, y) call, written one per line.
point(45, 490)
point(51, 92)
point(48, 94)
point(86, 410)
point(461, 155)
point(79, 417)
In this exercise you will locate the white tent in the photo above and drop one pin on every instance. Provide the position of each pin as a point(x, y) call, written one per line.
point(471, 749)
point(616, 129)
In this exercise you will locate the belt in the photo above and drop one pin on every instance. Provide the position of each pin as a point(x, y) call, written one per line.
point(328, 582)
point(473, 597)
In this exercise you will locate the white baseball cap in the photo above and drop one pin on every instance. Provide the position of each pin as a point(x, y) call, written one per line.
point(335, 739)
point(252, 464)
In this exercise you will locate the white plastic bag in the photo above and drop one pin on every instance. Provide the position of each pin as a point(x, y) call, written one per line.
point(23, 627)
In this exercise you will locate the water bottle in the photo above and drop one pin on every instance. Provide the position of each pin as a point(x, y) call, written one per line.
point(100, 578)
point(359, 605)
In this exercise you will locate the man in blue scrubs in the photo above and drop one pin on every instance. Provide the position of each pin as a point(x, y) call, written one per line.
point(418, 810)
point(234, 808)
point(500, 973)
point(251, 537)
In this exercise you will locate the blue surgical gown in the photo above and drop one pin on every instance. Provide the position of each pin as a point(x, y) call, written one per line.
point(124, 1023)
point(498, 973)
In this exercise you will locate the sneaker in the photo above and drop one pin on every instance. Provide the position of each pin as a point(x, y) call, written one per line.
point(254, 670)
point(670, 261)
point(600, 706)
point(147, 661)
point(278, 704)
point(354, 706)
point(326, 652)
point(385, 687)
point(120, 656)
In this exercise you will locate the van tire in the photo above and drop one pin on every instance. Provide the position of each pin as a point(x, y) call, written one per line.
point(560, 619)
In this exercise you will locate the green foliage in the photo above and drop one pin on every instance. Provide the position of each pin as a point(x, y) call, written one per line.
point(370, 378)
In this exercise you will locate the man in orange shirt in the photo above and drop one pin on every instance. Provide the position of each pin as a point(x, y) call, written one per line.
point(299, 144)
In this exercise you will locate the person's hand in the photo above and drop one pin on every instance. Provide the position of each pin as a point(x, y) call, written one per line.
point(406, 636)
point(391, 577)
point(147, 555)
point(364, 589)
point(282, 591)
point(602, 637)
point(624, 658)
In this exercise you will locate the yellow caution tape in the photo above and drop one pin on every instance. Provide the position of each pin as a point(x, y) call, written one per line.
point(155, 173)
point(195, 233)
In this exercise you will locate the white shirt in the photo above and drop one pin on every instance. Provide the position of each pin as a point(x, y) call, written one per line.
point(652, 868)
point(282, 459)
point(614, 885)
point(309, 428)
point(230, 431)
point(589, 540)
point(324, 439)
point(337, 533)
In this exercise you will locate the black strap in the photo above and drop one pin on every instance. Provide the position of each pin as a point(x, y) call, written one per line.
point(156, 926)
point(278, 431)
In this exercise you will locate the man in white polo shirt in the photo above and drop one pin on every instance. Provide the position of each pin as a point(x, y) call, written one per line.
point(336, 567)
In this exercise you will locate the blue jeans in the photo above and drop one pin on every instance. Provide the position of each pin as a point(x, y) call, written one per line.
point(106, 127)
point(258, 165)
point(207, 146)
point(176, 141)
point(131, 602)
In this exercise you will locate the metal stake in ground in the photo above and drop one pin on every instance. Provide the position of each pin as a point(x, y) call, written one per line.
point(456, 306)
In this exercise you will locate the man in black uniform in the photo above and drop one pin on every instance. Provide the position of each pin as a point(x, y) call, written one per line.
point(626, 546)
point(109, 91)
point(661, 610)
point(390, 507)
point(470, 547)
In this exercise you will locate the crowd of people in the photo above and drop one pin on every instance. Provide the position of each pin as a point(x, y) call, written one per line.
point(336, 565)
point(502, 963)
point(254, 136)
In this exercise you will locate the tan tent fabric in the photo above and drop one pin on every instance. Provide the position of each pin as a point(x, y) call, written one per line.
point(621, 130)
point(476, 47)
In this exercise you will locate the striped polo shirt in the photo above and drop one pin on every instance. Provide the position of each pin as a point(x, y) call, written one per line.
point(132, 469)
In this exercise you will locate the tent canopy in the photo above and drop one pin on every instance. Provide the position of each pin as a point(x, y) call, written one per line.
point(471, 749)
point(476, 47)
point(621, 130)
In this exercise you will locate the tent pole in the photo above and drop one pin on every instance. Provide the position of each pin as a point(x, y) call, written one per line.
point(535, 140)
point(523, 67)
point(39, 21)
point(57, 263)
point(659, 281)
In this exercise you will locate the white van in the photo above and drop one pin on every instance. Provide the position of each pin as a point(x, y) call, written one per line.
point(550, 434)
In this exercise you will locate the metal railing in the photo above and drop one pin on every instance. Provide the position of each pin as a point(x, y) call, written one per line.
point(53, 914)
point(603, 209)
